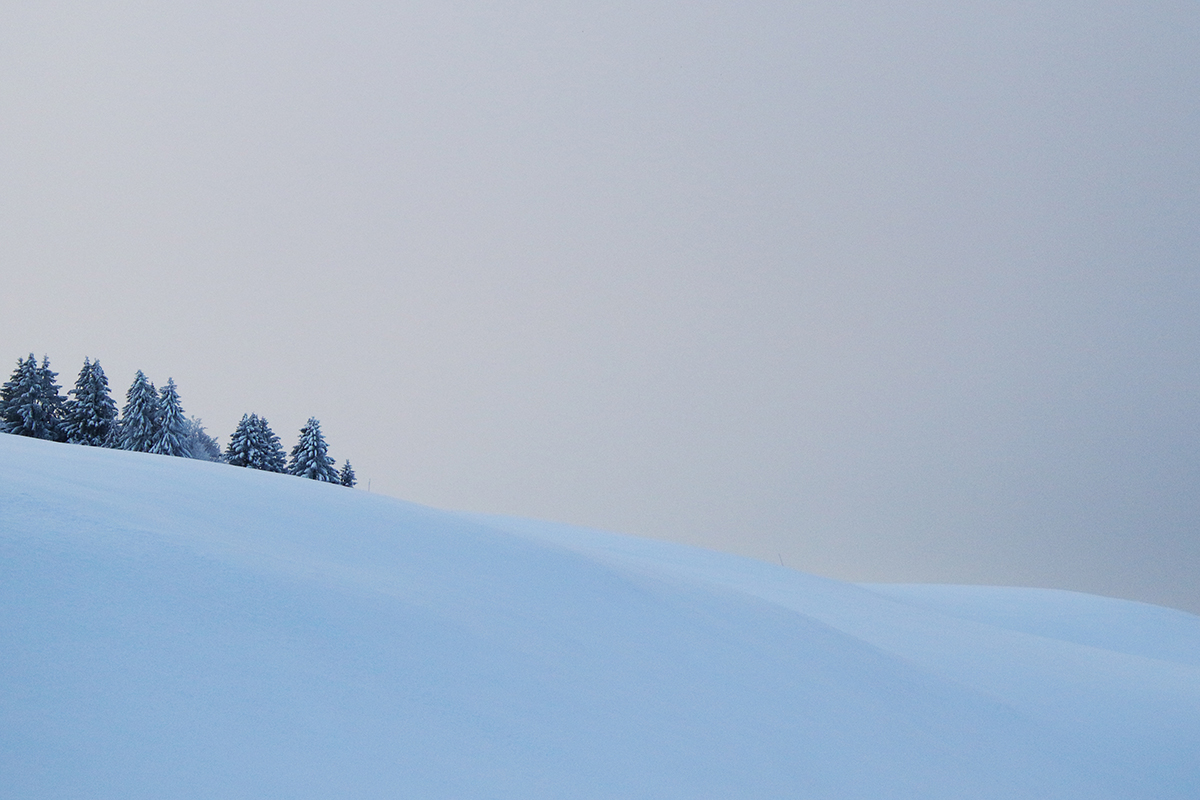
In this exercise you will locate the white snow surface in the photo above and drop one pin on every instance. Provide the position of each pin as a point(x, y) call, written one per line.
point(182, 629)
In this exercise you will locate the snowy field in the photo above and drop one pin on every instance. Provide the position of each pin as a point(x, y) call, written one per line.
point(181, 629)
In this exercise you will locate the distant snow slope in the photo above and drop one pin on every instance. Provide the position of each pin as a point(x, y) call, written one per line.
point(181, 629)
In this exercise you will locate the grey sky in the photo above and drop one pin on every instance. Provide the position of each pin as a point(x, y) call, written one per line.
point(893, 293)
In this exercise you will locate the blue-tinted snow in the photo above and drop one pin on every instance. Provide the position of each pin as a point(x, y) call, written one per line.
point(173, 628)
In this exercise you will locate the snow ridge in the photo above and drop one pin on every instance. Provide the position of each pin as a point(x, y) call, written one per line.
point(175, 628)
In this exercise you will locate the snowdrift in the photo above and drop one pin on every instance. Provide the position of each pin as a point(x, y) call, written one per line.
point(178, 629)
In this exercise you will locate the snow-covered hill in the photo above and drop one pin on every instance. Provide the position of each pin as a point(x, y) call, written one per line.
point(179, 629)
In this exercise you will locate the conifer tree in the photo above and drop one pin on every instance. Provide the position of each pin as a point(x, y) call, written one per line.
point(199, 444)
point(53, 400)
point(309, 457)
point(253, 444)
point(9, 392)
point(139, 417)
point(171, 433)
point(30, 404)
point(14, 392)
point(245, 448)
point(346, 476)
point(89, 414)
point(240, 452)
point(273, 458)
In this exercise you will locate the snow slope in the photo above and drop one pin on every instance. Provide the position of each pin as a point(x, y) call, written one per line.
point(178, 629)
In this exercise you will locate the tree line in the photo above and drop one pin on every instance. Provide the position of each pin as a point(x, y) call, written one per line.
point(151, 421)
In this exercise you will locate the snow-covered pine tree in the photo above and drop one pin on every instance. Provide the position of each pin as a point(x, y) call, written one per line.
point(9, 391)
point(243, 448)
point(199, 444)
point(346, 476)
point(30, 404)
point(273, 458)
point(11, 394)
point(255, 445)
point(171, 435)
point(309, 457)
point(89, 414)
point(139, 417)
point(52, 399)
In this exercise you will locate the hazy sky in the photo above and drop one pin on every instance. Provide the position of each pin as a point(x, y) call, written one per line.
point(902, 291)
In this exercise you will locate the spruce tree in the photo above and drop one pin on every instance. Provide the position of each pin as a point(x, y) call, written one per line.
point(53, 401)
point(89, 414)
point(309, 457)
point(13, 393)
point(199, 444)
point(9, 392)
point(346, 476)
point(241, 448)
point(171, 434)
point(139, 417)
point(273, 458)
point(30, 404)
point(253, 444)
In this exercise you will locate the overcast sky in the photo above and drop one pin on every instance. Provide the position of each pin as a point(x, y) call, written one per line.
point(903, 291)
